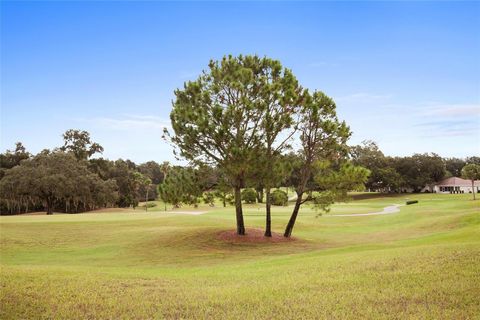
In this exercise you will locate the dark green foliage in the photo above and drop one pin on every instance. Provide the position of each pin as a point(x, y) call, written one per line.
point(209, 198)
point(78, 142)
point(333, 181)
point(279, 198)
point(58, 181)
point(323, 141)
point(152, 170)
point(12, 158)
point(219, 117)
point(180, 187)
point(128, 182)
point(472, 172)
point(411, 202)
point(454, 166)
point(383, 175)
point(420, 170)
point(249, 195)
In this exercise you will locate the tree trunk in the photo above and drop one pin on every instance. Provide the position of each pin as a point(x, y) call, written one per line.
point(146, 201)
point(293, 217)
point(268, 217)
point(473, 189)
point(259, 195)
point(224, 200)
point(49, 206)
point(239, 212)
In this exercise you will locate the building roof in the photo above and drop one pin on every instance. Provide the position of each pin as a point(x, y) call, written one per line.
point(455, 181)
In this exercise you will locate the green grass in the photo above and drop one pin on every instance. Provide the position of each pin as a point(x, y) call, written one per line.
point(420, 263)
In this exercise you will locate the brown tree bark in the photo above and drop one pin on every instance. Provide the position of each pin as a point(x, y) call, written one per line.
point(49, 206)
point(268, 216)
point(293, 217)
point(239, 212)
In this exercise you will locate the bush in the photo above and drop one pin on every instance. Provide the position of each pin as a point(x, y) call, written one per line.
point(279, 198)
point(249, 195)
point(150, 205)
point(412, 202)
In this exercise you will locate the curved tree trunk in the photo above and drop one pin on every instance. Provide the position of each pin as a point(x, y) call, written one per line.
point(239, 212)
point(268, 216)
point(293, 217)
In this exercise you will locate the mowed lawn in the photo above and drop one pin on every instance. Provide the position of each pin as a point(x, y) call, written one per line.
point(421, 263)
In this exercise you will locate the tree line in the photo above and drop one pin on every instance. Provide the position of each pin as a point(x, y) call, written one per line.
point(67, 179)
point(408, 174)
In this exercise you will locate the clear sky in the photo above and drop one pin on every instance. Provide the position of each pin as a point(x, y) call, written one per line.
point(404, 74)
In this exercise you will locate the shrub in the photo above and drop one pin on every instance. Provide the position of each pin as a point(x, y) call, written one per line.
point(279, 198)
point(249, 195)
point(411, 202)
point(150, 205)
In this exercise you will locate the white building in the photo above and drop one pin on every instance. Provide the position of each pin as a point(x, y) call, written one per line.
point(454, 185)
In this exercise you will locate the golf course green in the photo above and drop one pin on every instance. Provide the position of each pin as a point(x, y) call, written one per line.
point(422, 262)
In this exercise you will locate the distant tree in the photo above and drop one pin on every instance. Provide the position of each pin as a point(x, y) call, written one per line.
point(57, 180)
point(152, 170)
point(164, 168)
point(180, 186)
point(420, 170)
point(223, 190)
point(207, 177)
point(249, 195)
point(474, 160)
point(383, 176)
point(471, 172)
point(389, 179)
point(171, 190)
point(78, 142)
point(12, 158)
point(279, 198)
point(216, 119)
point(144, 183)
point(128, 181)
point(102, 167)
point(454, 166)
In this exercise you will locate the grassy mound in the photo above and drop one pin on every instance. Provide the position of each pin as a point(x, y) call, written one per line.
point(422, 262)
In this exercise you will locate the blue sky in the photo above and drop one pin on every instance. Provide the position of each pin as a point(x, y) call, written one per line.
point(404, 74)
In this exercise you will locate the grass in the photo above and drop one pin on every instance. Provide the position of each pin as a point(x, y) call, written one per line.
point(423, 262)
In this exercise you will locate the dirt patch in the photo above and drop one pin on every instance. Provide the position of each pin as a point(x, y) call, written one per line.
point(252, 236)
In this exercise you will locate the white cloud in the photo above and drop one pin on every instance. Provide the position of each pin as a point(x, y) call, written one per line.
point(454, 110)
point(131, 122)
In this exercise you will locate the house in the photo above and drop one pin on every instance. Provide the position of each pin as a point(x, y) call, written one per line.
point(453, 185)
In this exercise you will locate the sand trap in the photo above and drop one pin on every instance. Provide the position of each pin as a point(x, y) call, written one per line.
point(387, 210)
